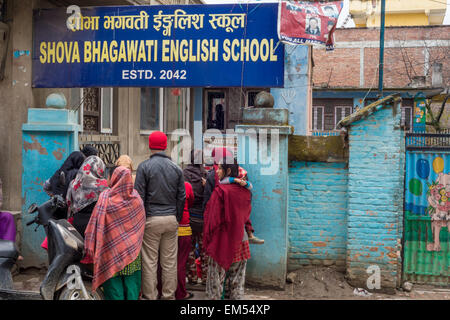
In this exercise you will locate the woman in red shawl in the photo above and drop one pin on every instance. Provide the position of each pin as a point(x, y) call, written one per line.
point(113, 238)
point(224, 238)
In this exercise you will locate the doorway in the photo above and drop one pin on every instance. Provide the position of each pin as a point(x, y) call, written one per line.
point(216, 109)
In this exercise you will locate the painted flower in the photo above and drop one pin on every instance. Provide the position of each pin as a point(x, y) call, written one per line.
point(100, 172)
point(440, 186)
point(442, 192)
point(437, 197)
point(434, 193)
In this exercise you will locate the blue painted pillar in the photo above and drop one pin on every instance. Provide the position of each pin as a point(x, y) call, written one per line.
point(48, 137)
point(263, 152)
point(295, 95)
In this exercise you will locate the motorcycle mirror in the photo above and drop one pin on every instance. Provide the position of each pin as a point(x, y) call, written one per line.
point(58, 201)
point(32, 208)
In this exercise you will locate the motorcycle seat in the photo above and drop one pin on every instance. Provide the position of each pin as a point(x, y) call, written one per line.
point(8, 249)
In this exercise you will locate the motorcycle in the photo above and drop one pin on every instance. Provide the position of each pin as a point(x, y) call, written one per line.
point(67, 278)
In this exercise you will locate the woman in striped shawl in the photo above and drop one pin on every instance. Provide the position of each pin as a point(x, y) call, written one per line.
point(113, 238)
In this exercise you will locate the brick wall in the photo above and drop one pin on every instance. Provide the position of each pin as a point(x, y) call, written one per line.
point(317, 214)
point(353, 64)
point(375, 198)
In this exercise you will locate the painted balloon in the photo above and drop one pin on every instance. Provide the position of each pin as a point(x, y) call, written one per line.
point(423, 168)
point(415, 187)
point(438, 164)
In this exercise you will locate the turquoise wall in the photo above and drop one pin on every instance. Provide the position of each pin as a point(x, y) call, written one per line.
point(48, 138)
point(375, 193)
point(317, 213)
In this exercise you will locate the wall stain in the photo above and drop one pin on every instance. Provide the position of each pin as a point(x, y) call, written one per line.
point(34, 146)
point(318, 243)
point(58, 153)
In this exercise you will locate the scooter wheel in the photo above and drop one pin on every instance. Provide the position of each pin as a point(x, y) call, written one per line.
point(76, 294)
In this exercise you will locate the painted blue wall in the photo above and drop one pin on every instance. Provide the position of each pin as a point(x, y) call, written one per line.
point(268, 264)
point(317, 213)
point(375, 191)
point(47, 139)
point(294, 95)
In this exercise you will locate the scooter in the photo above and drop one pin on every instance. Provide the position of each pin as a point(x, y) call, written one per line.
point(66, 278)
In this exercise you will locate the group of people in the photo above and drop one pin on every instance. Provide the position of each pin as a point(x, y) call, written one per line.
point(145, 234)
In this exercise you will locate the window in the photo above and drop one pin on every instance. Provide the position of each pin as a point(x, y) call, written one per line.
point(95, 109)
point(326, 113)
point(91, 110)
point(216, 104)
point(318, 118)
point(407, 118)
point(151, 109)
point(251, 95)
point(176, 101)
point(340, 113)
point(106, 103)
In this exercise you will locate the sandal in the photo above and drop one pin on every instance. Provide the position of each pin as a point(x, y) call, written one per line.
point(189, 296)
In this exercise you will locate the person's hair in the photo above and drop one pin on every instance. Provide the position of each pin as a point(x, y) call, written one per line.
point(328, 7)
point(313, 18)
point(330, 23)
point(234, 169)
point(89, 150)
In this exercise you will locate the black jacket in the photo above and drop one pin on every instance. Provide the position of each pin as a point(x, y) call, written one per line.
point(194, 174)
point(160, 183)
point(209, 186)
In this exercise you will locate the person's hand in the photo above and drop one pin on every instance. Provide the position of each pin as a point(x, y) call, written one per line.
point(241, 182)
point(203, 181)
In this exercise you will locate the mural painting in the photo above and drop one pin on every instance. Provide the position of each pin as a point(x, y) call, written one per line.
point(427, 215)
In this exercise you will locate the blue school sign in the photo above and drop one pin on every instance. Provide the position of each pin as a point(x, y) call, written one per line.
point(158, 46)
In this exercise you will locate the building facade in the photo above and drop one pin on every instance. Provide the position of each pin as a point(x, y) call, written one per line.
point(366, 13)
point(115, 120)
point(346, 79)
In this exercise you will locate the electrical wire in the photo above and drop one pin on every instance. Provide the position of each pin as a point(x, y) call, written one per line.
point(371, 86)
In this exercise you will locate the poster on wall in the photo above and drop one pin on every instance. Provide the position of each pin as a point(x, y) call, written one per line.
point(157, 46)
point(301, 22)
point(420, 113)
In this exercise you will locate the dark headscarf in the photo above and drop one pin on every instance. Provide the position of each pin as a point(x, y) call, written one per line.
point(89, 151)
point(70, 168)
point(193, 173)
